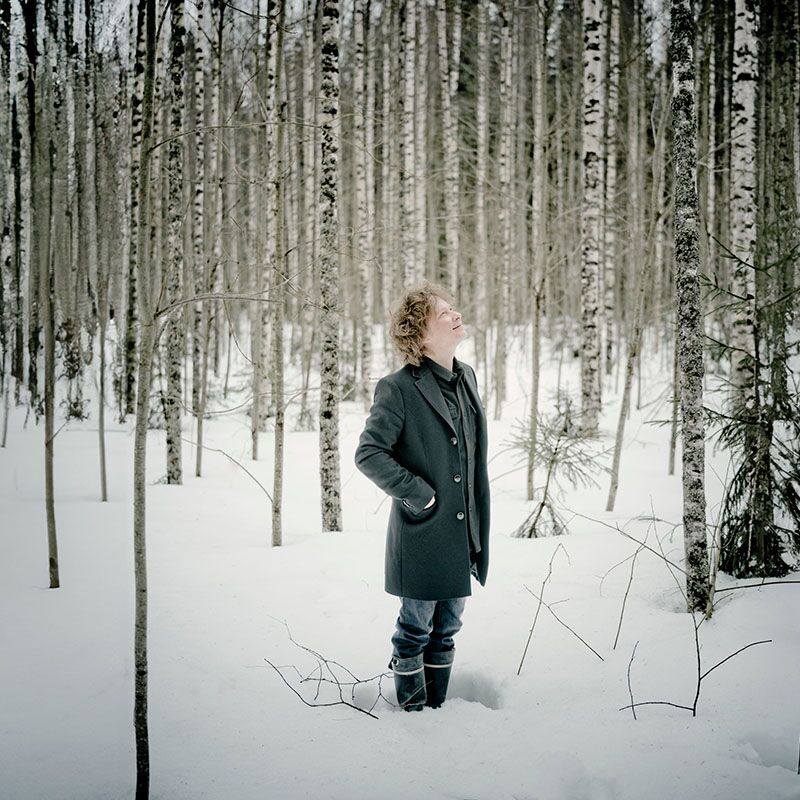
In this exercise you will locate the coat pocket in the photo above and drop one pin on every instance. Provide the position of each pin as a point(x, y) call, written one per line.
point(422, 514)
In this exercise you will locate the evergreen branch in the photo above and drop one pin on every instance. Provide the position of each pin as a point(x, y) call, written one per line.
point(781, 299)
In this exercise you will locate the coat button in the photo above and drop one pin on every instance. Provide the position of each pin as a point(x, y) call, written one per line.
point(453, 440)
point(460, 515)
point(457, 478)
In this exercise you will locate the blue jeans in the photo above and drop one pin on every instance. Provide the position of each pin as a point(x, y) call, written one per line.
point(427, 626)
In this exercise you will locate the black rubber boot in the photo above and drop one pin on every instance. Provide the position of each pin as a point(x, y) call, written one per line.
point(409, 682)
point(438, 667)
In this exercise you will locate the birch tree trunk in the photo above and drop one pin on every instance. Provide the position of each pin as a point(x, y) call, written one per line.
point(539, 245)
point(590, 217)
point(48, 303)
point(212, 265)
point(147, 344)
point(633, 353)
point(421, 128)
point(174, 327)
point(271, 144)
point(305, 420)
point(481, 305)
point(690, 343)
point(362, 189)
point(30, 18)
point(198, 219)
point(743, 199)
point(277, 297)
point(502, 286)
point(610, 186)
point(409, 219)
point(258, 227)
point(448, 78)
point(7, 200)
point(329, 272)
point(18, 252)
point(137, 87)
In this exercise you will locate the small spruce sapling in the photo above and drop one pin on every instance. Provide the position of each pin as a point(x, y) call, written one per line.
point(566, 454)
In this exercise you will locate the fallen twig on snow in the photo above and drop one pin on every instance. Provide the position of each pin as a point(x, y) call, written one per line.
point(559, 620)
point(317, 675)
point(538, 608)
point(630, 689)
point(700, 676)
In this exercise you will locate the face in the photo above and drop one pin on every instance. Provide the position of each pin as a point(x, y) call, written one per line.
point(445, 328)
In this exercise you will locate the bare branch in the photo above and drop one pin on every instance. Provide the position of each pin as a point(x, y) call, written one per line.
point(630, 690)
point(547, 606)
point(752, 644)
point(538, 608)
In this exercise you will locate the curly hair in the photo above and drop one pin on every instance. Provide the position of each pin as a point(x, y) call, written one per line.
point(410, 317)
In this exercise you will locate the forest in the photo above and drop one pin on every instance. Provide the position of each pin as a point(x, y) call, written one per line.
point(208, 210)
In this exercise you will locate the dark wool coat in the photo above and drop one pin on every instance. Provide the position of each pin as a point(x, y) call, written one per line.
point(409, 449)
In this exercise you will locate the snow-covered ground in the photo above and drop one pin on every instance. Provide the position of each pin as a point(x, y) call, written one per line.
point(222, 602)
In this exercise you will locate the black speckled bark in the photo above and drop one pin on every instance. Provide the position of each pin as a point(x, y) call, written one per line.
point(690, 339)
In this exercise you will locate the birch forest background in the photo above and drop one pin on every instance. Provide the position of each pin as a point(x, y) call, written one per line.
point(189, 186)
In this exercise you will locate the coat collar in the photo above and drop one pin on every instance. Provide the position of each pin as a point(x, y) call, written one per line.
point(429, 388)
point(426, 383)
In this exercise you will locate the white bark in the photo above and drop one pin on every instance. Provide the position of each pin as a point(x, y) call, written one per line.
point(610, 257)
point(277, 231)
point(743, 197)
point(539, 246)
point(481, 270)
point(420, 140)
point(310, 282)
point(409, 219)
point(174, 328)
point(329, 272)
point(198, 221)
point(506, 137)
point(362, 188)
point(590, 217)
point(448, 78)
point(690, 318)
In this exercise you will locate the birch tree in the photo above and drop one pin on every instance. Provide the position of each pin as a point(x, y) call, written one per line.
point(212, 265)
point(7, 199)
point(610, 184)
point(198, 182)
point(309, 280)
point(502, 286)
point(329, 266)
point(448, 78)
point(590, 216)
point(409, 219)
point(362, 189)
point(481, 163)
point(743, 197)
point(277, 251)
point(538, 234)
point(174, 327)
point(147, 343)
point(137, 87)
point(421, 129)
point(690, 329)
